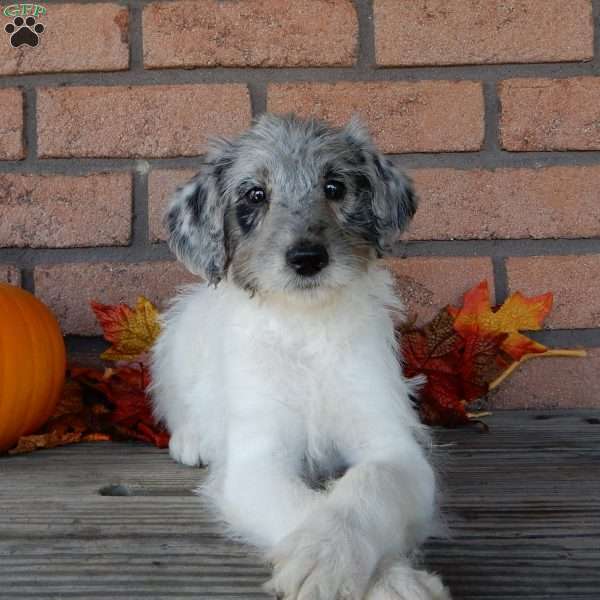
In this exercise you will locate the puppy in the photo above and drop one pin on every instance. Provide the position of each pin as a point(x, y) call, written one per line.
point(284, 371)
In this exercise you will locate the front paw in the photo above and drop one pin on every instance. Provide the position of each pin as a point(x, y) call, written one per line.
point(401, 582)
point(184, 447)
point(325, 559)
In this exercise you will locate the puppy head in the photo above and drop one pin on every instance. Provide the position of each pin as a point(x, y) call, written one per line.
point(291, 205)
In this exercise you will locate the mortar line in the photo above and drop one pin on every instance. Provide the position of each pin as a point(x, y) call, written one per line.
point(140, 209)
point(365, 56)
point(135, 39)
point(354, 73)
point(596, 44)
point(499, 248)
point(258, 98)
point(501, 286)
point(496, 158)
point(491, 142)
point(564, 338)
point(486, 159)
point(30, 127)
point(32, 257)
point(27, 279)
point(145, 251)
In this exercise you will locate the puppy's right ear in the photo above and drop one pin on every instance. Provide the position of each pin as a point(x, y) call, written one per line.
point(196, 218)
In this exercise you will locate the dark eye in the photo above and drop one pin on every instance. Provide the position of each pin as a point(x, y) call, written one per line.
point(256, 195)
point(334, 190)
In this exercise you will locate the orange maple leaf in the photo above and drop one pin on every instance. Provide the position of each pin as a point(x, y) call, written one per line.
point(132, 331)
point(516, 314)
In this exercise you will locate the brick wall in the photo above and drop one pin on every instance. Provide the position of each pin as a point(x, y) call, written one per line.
point(493, 107)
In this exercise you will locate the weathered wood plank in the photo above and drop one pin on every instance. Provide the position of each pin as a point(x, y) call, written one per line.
point(564, 566)
point(114, 517)
point(521, 504)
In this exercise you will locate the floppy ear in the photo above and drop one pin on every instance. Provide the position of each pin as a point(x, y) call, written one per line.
point(393, 200)
point(196, 218)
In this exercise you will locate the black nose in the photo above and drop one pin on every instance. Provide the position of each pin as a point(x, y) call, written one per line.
point(307, 259)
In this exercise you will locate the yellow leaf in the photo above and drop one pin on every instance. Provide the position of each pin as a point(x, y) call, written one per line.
point(131, 331)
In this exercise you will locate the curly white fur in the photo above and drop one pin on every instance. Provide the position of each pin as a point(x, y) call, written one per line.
point(264, 391)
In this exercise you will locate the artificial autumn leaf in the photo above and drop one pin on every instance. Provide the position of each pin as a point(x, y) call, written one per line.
point(430, 347)
point(477, 317)
point(124, 388)
point(132, 331)
point(73, 421)
point(466, 352)
point(482, 360)
point(440, 402)
point(434, 351)
point(458, 369)
point(71, 401)
point(29, 443)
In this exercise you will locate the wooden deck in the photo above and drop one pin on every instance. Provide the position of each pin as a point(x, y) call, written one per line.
point(121, 521)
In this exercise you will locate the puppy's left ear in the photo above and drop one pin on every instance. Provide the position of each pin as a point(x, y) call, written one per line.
point(196, 217)
point(393, 199)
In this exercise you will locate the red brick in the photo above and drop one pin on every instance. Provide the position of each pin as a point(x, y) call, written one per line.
point(161, 185)
point(77, 37)
point(10, 274)
point(57, 211)
point(552, 382)
point(574, 280)
point(153, 121)
point(12, 146)
point(250, 33)
point(426, 116)
point(550, 114)
point(455, 32)
point(427, 284)
point(68, 288)
point(554, 202)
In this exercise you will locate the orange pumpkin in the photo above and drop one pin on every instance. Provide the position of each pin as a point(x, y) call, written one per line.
point(32, 364)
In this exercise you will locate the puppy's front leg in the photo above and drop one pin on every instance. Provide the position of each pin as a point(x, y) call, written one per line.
point(259, 488)
point(389, 498)
point(383, 504)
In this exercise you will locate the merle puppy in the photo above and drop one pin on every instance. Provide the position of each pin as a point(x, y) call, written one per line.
point(283, 371)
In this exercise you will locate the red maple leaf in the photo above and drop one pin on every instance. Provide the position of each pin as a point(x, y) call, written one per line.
point(125, 388)
point(435, 352)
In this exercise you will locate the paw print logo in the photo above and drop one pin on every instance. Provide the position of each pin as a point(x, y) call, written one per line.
point(24, 32)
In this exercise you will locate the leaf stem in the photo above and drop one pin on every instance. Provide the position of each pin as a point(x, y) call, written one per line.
point(548, 354)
